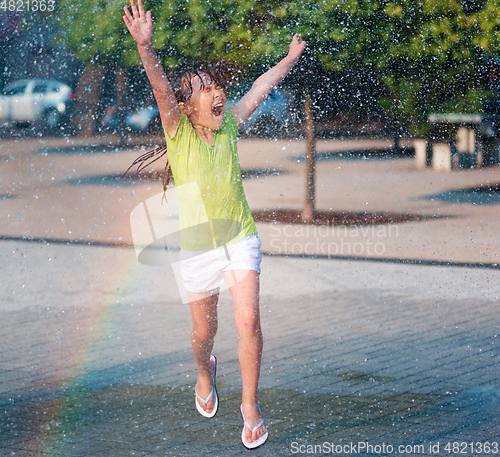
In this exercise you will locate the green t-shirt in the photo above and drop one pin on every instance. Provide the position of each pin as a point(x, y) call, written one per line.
point(213, 210)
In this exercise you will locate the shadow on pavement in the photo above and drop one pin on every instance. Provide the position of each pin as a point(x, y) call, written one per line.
point(481, 195)
point(115, 418)
point(140, 178)
point(340, 218)
point(362, 154)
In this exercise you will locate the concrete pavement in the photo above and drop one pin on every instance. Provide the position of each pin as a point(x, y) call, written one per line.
point(96, 357)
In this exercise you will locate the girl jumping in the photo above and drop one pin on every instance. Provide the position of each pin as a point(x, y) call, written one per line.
point(201, 149)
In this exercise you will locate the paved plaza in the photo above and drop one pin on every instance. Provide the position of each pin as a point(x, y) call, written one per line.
point(381, 340)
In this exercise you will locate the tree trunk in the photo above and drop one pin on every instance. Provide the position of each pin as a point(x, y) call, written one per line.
point(121, 97)
point(308, 213)
point(396, 139)
point(397, 117)
point(88, 93)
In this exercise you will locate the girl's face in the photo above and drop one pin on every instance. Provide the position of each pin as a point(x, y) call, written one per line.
point(207, 104)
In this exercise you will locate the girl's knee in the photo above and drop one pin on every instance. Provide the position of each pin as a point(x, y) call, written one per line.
point(203, 334)
point(248, 324)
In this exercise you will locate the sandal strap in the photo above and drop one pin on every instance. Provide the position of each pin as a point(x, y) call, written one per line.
point(260, 424)
point(208, 398)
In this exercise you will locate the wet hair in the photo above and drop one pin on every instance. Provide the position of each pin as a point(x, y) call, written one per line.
point(150, 157)
point(183, 90)
point(182, 82)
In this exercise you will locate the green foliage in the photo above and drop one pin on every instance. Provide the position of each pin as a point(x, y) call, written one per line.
point(488, 22)
point(240, 32)
point(429, 53)
point(93, 29)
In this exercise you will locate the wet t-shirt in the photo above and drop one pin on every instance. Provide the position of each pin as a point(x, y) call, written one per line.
point(213, 210)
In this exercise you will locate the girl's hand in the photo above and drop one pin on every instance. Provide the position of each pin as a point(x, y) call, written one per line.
point(297, 47)
point(139, 25)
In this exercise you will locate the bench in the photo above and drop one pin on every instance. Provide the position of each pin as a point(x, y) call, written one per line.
point(475, 143)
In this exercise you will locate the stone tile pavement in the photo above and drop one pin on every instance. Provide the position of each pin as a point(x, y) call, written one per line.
point(361, 357)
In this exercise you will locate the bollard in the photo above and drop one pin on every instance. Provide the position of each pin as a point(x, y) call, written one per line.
point(466, 141)
point(421, 158)
point(466, 148)
point(442, 158)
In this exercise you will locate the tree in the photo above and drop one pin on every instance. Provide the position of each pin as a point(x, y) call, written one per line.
point(94, 31)
point(429, 53)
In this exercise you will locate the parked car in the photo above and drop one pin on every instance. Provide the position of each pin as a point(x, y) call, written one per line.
point(44, 102)
point(273, 116)
point(144, 120)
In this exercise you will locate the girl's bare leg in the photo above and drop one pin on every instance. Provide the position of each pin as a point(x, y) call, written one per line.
point(204, 316)
point(245, 292)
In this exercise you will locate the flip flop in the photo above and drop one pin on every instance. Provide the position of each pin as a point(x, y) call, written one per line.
point(259, 441)
point(198, 399)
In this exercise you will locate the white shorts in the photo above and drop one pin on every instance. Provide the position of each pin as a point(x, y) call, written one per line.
point(203, 270)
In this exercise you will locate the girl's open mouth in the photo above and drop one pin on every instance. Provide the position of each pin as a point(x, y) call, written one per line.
point(218, 109)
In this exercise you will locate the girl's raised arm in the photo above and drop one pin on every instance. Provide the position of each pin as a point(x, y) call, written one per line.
point(265, 83)
point(140, 26)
